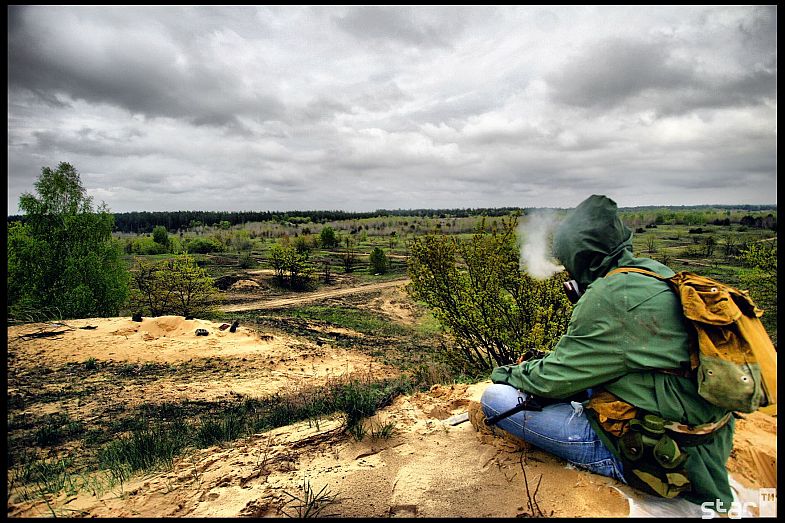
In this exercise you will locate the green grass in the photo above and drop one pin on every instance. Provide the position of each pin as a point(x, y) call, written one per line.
point(348, 317)
point(152, 436)
point(428, 325)
point(91, 363)
point(56, 428)
point(45, 476)
point(145, 449)
point(156, 444)
point(310, 505)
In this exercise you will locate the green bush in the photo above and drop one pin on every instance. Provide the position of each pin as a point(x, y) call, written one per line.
point(246, 261)
point(241, 241)
point(203, 246)
point(328, 238)
point(175, 286)
point(761, 280)
point(379, 261)
point(145, 245)
point(291, 267)
point(477, 291)
point(160, 235)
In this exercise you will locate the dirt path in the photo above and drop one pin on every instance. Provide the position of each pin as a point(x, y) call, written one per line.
point(314, 296)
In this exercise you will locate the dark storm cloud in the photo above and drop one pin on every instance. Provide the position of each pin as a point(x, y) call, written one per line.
point(646, 76)
point(391, 23)
point(612, 71)
point(91, 142)
point(363, 107)
point(155, 76)
point(759, 31)
point(749, 89)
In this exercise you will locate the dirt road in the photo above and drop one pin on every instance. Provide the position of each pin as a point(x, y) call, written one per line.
point(313, 296)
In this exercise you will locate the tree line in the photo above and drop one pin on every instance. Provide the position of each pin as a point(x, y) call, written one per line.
point(143, 222)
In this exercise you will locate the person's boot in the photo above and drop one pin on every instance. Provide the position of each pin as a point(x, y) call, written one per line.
point(477, 419)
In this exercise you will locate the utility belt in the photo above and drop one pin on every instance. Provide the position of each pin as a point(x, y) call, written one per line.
point(650, 447)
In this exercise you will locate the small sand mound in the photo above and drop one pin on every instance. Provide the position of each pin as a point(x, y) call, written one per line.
point(244, 285)
point(179, 327)
point(160, 339)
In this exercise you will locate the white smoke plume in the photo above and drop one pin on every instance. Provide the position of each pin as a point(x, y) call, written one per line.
point(535, 234)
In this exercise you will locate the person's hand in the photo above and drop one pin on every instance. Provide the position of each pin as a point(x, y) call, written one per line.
point(532, 354)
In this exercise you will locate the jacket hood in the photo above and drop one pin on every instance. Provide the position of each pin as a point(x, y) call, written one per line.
point(591, 239)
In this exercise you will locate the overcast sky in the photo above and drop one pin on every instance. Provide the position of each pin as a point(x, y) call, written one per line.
point(367, 107)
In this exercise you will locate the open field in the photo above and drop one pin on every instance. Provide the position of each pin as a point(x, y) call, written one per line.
point(114, 418)
point(702, 242)
point(79, 395)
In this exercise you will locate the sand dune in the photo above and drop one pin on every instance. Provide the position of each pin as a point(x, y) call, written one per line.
point(426, 469)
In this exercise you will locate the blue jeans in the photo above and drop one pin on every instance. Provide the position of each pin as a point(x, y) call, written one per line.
point(562, 429)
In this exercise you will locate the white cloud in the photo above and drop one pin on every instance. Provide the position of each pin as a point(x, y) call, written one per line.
point(360, 108)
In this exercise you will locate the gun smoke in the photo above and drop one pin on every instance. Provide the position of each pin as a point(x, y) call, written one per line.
point(535, 234)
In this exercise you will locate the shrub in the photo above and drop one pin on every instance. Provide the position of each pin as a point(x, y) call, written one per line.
point(349, 256)
point(379, 262)
point(242, 240)
point(146, 246)
point(710, 243)
point(291, 267)
point(176, 286)
point(161, 236)
point(303, 245)
point(204, 246)
point(328, 238)
point(246, 261)
point(761, 280)
point(478, 293)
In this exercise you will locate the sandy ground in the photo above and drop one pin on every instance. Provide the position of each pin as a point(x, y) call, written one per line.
point(427, 468)
point(310, 297)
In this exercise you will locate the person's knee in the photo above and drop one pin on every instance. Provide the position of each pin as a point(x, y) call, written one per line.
point(498, 397)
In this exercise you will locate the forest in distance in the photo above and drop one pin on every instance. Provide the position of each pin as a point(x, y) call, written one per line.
point(140, 222)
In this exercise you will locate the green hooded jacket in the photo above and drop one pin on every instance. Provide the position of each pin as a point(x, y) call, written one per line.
point(623, 328)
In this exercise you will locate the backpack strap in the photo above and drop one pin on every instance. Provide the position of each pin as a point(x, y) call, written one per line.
point(636, 269)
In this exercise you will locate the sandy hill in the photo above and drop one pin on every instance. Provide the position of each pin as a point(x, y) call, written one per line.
point(426, 468)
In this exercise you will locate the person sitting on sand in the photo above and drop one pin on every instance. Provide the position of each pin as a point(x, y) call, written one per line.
point(625, 347)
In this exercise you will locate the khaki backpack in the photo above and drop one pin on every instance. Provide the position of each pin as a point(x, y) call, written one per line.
point(732, 356)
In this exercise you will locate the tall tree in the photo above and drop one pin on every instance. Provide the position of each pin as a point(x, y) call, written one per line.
point(62, 261)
